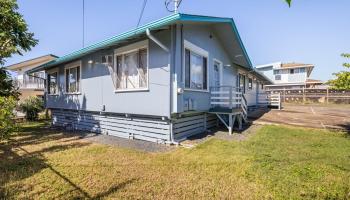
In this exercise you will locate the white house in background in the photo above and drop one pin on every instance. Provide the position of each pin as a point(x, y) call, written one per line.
point(30, 84)
point(288, 75)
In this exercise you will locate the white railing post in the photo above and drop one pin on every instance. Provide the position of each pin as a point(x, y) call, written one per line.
point(230, 98)
point(279, 101)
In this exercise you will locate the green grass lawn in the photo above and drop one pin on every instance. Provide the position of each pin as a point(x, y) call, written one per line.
point(278, 162)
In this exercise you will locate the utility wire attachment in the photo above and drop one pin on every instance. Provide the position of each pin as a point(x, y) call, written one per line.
point(176, 5)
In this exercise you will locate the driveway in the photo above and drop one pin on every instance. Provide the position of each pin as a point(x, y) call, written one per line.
point(313, 116)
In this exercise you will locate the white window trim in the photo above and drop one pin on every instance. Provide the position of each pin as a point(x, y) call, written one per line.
point(221, 69)
point(57, 81)
point(69, 66)
point(129, 49)
point(195, 49)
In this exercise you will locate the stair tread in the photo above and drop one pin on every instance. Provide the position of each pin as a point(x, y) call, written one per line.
point(225, 110)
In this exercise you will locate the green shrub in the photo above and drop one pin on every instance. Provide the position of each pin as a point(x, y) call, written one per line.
point(32, 106)
point(7, 123)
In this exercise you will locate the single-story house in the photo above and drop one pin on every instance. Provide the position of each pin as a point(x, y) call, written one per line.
point(162, 82)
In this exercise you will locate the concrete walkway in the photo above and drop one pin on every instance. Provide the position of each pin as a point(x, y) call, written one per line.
point(313, 116)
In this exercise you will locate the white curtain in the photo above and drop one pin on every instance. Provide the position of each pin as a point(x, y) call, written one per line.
point(130, 67)
point(132, 70)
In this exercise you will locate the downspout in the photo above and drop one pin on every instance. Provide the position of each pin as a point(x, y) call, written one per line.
point(155, 40)
point(160, 44)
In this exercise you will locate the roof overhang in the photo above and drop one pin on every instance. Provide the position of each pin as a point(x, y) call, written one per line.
point(262, 77)
point(140, 32)
point(286, 84)
point(32, 63)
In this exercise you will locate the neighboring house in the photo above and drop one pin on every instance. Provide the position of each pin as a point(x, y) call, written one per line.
point(160, 82)
point(30, 84)
point(316, 84)
point(288, 75)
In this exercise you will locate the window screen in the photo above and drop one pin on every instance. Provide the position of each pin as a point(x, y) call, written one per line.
point(195, 71)
point(52, 83)
point(250, 84)
point(73, 79)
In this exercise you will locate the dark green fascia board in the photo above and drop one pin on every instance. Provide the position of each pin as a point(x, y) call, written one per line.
point(140, 30)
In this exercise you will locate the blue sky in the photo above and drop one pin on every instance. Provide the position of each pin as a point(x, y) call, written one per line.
point(311, 31)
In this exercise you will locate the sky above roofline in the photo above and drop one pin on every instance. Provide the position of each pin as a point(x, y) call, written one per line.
point(309, 32)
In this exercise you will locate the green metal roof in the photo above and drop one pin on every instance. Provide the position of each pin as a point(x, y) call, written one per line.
point(171, 19)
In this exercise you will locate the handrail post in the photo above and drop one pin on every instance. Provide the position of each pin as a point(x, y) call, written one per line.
point(279, 101)
point(230, 98)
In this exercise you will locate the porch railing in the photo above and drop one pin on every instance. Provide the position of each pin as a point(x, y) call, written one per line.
point(266, 99)
point(226, 97)
point(37, 83)
point(229, 103)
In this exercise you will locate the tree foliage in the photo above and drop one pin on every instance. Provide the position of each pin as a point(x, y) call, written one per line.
point(7, 87)
point(14, 39)
point(7, 125)
point(289, 2)
point(14, 35)
point(342, 80)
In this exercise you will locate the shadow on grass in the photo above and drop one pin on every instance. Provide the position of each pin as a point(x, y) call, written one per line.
point(345, 127)
point(16, 163)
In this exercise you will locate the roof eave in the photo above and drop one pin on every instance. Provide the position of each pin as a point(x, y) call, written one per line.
point(141, 30)
point(108, 42)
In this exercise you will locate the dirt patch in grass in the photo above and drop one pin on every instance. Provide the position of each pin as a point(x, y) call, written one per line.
point(129, 144)
point(222, 134)
point(276, 162)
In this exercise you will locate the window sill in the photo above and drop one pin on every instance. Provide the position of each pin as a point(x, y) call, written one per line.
point(75, 93)
point(131, 90)
point(195, 90)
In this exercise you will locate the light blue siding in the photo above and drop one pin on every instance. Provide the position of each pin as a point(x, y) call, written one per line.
point(97, 86)
point(150, 129)
point(200, 36)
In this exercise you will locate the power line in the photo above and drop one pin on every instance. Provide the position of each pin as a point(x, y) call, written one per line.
point(83, 23)
point(141, 14)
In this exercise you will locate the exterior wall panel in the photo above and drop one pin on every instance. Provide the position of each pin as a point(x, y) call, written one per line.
point(97, 89)
point(154, 130)
point(200, 36)
point(193, 124)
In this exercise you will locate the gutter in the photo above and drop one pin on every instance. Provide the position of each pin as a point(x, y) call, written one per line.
point(160, 44)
